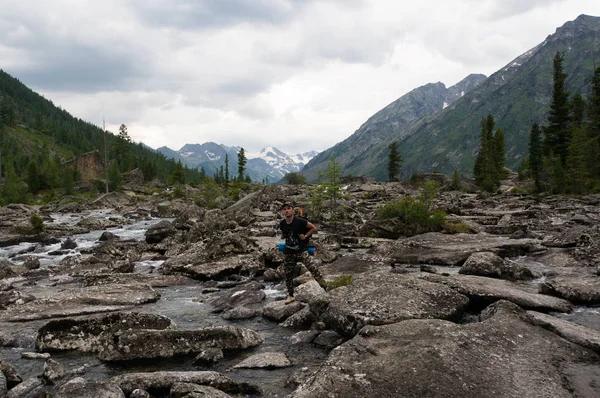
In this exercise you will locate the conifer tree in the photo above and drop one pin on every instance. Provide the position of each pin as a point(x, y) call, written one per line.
point(557, 134)
point(594, 104)
point(488, 159)
point(577, 110)
point(535, 155)
point(226, 168)
point(178, 175)
point(499, 154)
point(577, 168)
point(241, 164)
point(334, 177)
point(114, 177)
point(33, 177)
point(394, 161)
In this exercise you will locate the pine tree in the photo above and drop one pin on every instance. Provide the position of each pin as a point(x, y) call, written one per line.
point(241, 164)
point(394, 161)
point(33, 178)
point(557, 132)
point(226, 168)
point(114, 177)
point(499, 154)
point(488, 159)
point(594, 104)
point(535, 156)
point(577, 110)
point(178, 175)
point(577, 169)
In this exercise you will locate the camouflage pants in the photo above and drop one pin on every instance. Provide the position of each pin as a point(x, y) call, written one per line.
point(289, 266)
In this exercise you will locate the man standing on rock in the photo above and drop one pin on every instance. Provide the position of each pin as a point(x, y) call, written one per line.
point(296, 231)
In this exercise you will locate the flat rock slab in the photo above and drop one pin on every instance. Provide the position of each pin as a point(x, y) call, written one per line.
point(577, 290)
point(265, 360)
point(573, 332)
point(85, 335)
point(190, 267)
point(379, 298)
point(81, 301)
point(453, 250)
point(160, 383)
point(495, 289)
point(169, 343)
point(504, 356)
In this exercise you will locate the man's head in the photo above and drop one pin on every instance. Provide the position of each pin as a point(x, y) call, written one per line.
point(287, 208)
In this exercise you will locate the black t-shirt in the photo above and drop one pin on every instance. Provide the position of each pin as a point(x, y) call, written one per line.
point(292, 230)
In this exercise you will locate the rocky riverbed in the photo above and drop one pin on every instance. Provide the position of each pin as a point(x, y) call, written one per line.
point(134, 295)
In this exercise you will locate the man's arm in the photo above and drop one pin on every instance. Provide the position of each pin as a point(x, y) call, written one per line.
point(311, 230)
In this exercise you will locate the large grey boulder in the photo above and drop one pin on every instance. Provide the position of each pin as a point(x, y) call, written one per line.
point(6, 270)
point(573, 332)
point(82, 388)
point(82, 301)
point(579, 290)
point(191, 390)
point(487, 290)
point(169, 343)
point(158, 232)
point(504, 356)
point(86, 335)
point(265, 360)
point(493, 266)
point(381, 297)
point(160, 383)
point(453, 250)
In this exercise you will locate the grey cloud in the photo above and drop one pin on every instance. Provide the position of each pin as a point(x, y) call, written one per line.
point(202, 14)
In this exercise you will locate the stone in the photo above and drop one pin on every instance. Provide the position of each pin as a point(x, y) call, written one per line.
point(381, 297)
point(578, 290)
point(279, 311)
point(82, 388)
point(265, 360)
point(159, 231)
point(87, 335)
point(107, 236)
point(570, 331)
point(490, 289)
point(53, 371)
point(328, 339)
point(6, 270)
point(155, 382)
point(436, 358)
point(493, 266)
point(169, 343)
point(68, 244)
point(208, 357)
point(191, 390)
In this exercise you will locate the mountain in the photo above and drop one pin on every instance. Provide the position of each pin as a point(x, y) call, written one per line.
point(357, 153)
point(38, 142)
point(270, 164)
point(447, 138)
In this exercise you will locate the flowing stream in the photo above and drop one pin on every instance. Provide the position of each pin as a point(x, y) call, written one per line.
point(184, 304)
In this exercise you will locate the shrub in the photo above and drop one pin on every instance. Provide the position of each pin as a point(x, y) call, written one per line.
point(457, 228)
point(343, 280)
point(37, 224)
point(295, 179)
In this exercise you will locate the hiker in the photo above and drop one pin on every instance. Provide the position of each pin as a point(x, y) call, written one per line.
point(296, 231)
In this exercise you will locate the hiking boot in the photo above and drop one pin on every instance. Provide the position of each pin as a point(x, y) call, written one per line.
point(289, 300)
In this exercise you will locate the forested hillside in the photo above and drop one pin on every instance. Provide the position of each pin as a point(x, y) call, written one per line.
point(37, 137)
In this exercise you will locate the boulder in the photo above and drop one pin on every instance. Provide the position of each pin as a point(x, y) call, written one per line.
point(208, 357)
point(493, 266)
point(53, 371)
point(578, 290)
point(160, 383)
point(191, 390)
point(570, 331)
point(86, 335)
point(159, 231)
point(68, 244)
point(12, 377)
point(279, 311)
point(106, 236)
point(82, 388)
point(169, 343)
point(487, 290)
point(81, 301)
point(381, 297)
point(265, 360)
point(6, 270)
point(501, 357)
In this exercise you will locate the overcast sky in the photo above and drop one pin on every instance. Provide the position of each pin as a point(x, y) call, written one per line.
point(295, 74)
